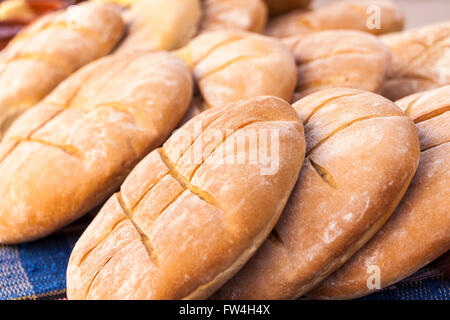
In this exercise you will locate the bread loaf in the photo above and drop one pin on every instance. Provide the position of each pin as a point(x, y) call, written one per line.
point(277, 7)
point(161, 24)
point(69, 153)
point(232, 65)
point(178, 228)
point(419, 230)
point(361, 154)
point(376, 17)
point(39, 57)
point(420, 60)
point(249, 15)
point(339, 58)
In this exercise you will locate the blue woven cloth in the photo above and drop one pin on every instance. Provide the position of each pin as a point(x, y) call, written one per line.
point(37, 270)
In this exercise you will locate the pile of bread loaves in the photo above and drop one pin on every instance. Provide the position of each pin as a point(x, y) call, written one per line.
point(143, 106)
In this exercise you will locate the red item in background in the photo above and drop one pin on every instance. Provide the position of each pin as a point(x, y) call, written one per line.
point(8, 29)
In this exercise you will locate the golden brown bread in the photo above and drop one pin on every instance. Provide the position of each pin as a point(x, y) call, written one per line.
point(420, 60)
point(419, 230)
point(339, 58)
point(178, 228)
point(249, 15)
point(353, 14)
point(161, 24)
point(277, 7)
point(71, 151)
point(232, 65)
point(361, 154)
point(48, 51)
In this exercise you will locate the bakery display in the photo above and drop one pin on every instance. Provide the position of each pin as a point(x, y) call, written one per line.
point(72, 150)
point(420, 60)
point(339, 58)
point(224, 149)
point(361, 154)
point(38, 58)
point(171, 212)
point(419, 230)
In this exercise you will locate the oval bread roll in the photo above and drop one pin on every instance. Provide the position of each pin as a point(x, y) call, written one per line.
point(419, 230)
point(161, 24)
point(282, 6)
point(420, 60)
point(361, 154)
point(339, 58)
point(249, 15)
point(178, 228)
point(376, 17)
point(70, 152)
point(232, 65)
point(38, 58)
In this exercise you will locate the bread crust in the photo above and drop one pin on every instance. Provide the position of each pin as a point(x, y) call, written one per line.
point(225, 63)
point(420, 60)
point(361, 153)
point(161, 24)
point(277, 7)
point(339, 58)
point(419, 230)
point(249, 15)
point(70, 152)
point(40, 56)
point(352, 14)
point(179, 230)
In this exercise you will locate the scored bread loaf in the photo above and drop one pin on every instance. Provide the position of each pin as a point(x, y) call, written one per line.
point(420, 60)
point(277, 7)
point(232, 65)
point(161, 24)
point(39, 57)
point(419, 230)
point(249, 15)
point(70, 152)
point(339, 58)
point(361, 154)
point(179, 228)
point(376, 17)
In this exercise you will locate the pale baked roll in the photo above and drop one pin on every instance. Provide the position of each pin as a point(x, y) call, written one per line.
point(49, 50)
point(373, 16)
point(419, 230)
point(70, 152)
point(339, 58)
point(420, 60)
point(249, 15)
point(232, 65)
point(161, 24)
point(179, 228)
point(361, 154)
point(277, 7)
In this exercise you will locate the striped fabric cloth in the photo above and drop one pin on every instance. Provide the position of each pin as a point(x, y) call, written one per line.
point(37, 270)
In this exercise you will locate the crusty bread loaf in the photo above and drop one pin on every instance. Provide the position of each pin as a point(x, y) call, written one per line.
point(339, 58)
point(353, 14)
point(48, 51)
point(420, 60)
point(70, 152)
point(419, 230)
point(361, 154)
point(232, 65)
point(178, 229)
point(161, 24)
point(277, 7)
point(249, 15)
